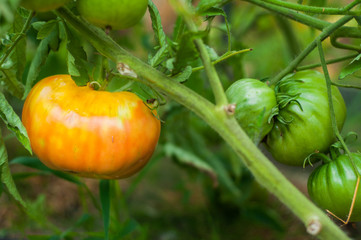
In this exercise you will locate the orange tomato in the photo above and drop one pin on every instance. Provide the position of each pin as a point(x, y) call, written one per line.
point(94, 134)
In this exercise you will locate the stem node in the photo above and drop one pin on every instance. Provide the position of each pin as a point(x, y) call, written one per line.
point(314, 226)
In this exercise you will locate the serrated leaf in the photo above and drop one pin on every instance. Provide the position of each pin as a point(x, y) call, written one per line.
point(13, 122)
point(39, 59)
point(190, 159)
point(46, 29)
point(77, 58)
point(18, 55)
point(10, 82)
point(187, 51)
point(184, 75)
point(353, 67)
point(5, 175)
point(159, 57)
point(160, 36)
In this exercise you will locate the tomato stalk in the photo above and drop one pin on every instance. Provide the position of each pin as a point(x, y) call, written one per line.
point(227, 127)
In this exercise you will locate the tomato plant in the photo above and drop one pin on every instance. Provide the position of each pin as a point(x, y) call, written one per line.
point(183, 57)
point(90, 133)
point(332, 186)
point(255, 102)
point(43, 5)
point(113, 13)
point(303, 125)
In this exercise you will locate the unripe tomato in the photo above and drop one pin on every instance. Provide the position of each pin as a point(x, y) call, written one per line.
point(43, 5)
point(254, 103)
point(92, 133)
point(303, 125)
point(117, 14)
point(332, 186)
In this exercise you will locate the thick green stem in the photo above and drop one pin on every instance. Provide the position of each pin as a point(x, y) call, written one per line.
point(263, 170)
point(325, 33)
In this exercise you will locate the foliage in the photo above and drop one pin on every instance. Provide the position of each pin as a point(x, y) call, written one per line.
point(206, 179)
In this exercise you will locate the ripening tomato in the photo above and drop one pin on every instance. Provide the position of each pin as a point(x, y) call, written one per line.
point(303, 125)
point(332, 185)
point(43, 5)
point(91, 133)
point(117, 14)
point(255, 102)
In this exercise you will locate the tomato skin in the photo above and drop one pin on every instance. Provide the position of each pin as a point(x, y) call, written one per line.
point(92, 133)
point(43, 5)
point(119, 14)
point(310, 129)
point(254, 103)
point(331, 186)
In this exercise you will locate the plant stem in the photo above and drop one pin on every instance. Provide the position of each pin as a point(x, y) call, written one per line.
point(319, 10)
point(18, 38)
point(215, 82)
point(263, 170)
point(325, 33)
point(292, 14)
point(336, 60)
point(345, 85)
point(223, 57)
point(330, 102)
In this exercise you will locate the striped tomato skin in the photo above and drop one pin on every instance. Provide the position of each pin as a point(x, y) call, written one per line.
point(94, 134)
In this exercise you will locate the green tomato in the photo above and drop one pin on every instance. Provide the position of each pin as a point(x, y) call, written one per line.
point(117, 14)
point(43, 5)
point(254, 104)
point(303, 125)
point(331, 186)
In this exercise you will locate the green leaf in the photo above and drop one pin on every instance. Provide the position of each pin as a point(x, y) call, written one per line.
point(104, 191)
point(160, 36)
point(77, 58)
point(42, 53)
point(13, 122)
point(204, 5)
point(178, 29)
point(46, 29)
point(8, 78)
point(18, 55)
point(35, 163)
point(5, 175)
point(159, 57)
point(38, 25)
point(184, 75)
point(190, 159)
point(353, 67)
point(187, 51)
